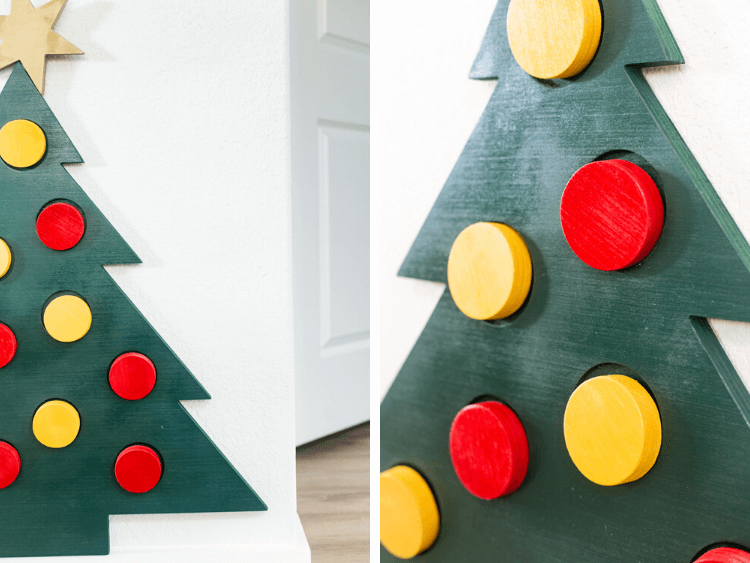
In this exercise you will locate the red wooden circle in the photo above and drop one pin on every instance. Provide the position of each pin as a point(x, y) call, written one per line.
point(489, 449)
point(8, 345)
point(60, 226)
point(724, 555)
point(612, 214)
point(132, 376)
point(10, 464)
point(138, 469)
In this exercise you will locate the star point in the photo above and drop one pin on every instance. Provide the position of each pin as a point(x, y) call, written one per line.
point(27, 36)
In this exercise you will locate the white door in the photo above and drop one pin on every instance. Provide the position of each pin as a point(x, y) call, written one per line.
point(330, 94)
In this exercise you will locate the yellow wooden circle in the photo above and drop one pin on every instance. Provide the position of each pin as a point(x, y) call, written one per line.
point(612, 430)
point(22, 143)
point(409, 518)
point(67, 318)
point(489, 271)
point(56, 424)
point(554, 38)
point(6, 258)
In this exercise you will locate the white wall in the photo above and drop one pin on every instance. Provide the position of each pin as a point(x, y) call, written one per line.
point(180, 110)
point(426, 108)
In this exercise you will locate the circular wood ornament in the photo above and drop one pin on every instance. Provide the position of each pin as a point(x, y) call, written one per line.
point(489, 449)
point(56, 424)
point(612, 430)
point(10, 464)
point(554, 38)
point(67, 318)
point(138, 469)
point(8, 345)
point(132, 376)
point(60, 226)
point(489, 271)
point(724, 555)
point(6, 258)
point(409, 518)
point(22, 143)
point(612, 214)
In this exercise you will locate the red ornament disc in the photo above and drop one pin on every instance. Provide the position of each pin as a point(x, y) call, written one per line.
point(138, 469)
point(10, 464)
point(132, 376)
point(724, 555)
point(612, 214)
point(60, 226)
point(8, 345)
point(489, 449)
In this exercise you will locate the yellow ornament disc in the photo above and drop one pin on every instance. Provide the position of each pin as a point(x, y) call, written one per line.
point(409, 518)
point(67, 318)
point(489, 271)
point(56, 424)
point(6, 258)
point(612, 430)
point(22, 143)
point(554, 38)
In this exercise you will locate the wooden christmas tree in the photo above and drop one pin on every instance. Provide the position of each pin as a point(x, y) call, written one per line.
point(90, 419)
point(568, 400)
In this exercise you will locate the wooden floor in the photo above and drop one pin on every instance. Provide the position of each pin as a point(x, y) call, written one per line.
point(333, 496)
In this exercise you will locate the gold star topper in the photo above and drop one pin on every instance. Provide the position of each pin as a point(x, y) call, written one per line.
point(27, 36)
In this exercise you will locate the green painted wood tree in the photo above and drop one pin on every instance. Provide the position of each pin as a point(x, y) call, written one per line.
point(648, 321)
point(61, 499)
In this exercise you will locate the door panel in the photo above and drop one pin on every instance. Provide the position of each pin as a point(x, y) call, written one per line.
point(345, 236)
point(345, 20)
point(330, 209)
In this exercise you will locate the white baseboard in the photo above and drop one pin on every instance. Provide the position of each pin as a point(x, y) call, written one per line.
point(188, 539)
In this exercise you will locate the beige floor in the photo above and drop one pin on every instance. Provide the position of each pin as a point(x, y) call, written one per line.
point(333, 496)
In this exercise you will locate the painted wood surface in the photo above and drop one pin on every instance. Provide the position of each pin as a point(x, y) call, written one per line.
point(6, 258)
point(554, 38)
point(489, 271)
point(612, 214)
point(56, 424)
point(612, 429)
point(138, 469)
point(28, 36)
point(67, 318)
point(68, 494)
point(647, 322)
point(409, 516)
point(132, 376)
point(329, 88)
point(724, 555)
point(22, 143)
point(60, 225)
point(8, 345)
point(10, 464)
point(489, 449)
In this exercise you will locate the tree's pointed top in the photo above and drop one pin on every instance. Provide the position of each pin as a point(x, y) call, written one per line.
point(20, 99)
point(19, 81)
point(635, 33)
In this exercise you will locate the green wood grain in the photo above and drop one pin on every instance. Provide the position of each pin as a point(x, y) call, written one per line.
point(531, 138)
point(60, 503)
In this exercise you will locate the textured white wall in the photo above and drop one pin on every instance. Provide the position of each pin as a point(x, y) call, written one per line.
point(180, 111)
point(426, 109)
